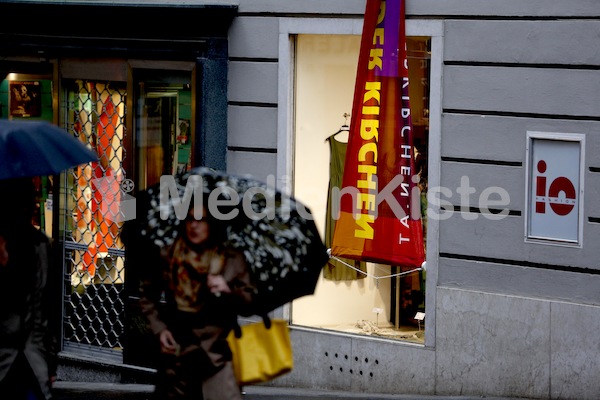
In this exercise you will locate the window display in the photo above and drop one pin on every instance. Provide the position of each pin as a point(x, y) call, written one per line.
point(353, 297)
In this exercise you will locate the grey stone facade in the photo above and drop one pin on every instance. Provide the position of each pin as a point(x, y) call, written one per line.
point(505, 317)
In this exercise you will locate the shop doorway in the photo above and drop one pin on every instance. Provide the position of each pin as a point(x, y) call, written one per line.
point(134, 149)
point(163, 125)
point(164, 139)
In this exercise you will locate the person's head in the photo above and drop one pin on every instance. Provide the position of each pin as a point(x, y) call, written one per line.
point(17, 203)
point(207, 231)
point(197, 231)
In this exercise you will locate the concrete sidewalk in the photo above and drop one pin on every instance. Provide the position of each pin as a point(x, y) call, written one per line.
point(104, 391)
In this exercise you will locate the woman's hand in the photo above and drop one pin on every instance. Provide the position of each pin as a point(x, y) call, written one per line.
point(217, 284)
point(168, 345)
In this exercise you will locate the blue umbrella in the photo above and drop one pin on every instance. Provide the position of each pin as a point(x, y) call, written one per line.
point(38, 148)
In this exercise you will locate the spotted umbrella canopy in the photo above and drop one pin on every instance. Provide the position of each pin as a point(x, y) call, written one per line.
point(275, 232)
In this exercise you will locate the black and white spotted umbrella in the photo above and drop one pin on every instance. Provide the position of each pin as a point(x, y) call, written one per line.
point(275, 232)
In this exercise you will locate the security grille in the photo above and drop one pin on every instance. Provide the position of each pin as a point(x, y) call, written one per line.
point(93, 255)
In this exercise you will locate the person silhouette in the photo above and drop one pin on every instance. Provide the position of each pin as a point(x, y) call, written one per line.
point(29, 294)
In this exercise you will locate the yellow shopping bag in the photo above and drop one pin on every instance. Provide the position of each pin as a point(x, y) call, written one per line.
point(261, 353)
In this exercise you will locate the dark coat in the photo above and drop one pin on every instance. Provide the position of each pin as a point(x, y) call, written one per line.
point(26, 300)
point(201, 334)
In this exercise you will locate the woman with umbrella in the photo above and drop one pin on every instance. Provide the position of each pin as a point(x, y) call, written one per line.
point(271, 255)
point(205, 286)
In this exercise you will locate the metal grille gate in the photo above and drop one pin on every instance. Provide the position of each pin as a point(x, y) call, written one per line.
point(93, 256)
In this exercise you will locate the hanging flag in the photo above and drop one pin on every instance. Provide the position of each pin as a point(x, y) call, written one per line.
point(379, 202)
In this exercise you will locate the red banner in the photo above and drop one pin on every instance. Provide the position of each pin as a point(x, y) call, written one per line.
point(380, 213)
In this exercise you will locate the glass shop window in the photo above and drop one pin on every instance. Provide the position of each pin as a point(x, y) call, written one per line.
point(163, 125)
point(96, 115)
point(353, 296)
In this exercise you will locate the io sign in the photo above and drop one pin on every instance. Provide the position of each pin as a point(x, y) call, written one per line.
point(555, 164)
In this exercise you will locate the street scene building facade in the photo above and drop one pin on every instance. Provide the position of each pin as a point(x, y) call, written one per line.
point(506, 116)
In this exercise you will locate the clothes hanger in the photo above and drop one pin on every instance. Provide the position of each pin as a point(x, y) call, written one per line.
point(344, 128)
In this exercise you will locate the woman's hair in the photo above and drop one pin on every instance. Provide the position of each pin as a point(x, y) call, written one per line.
point(217, 229)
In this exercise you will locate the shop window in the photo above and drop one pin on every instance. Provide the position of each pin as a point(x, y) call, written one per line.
point(352, 296)
point(163, 125)
point(94, 253)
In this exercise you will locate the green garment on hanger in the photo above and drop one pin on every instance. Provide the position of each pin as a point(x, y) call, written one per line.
point(336, 270)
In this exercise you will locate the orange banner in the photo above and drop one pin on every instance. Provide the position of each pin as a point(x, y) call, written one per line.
point(379, 203)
